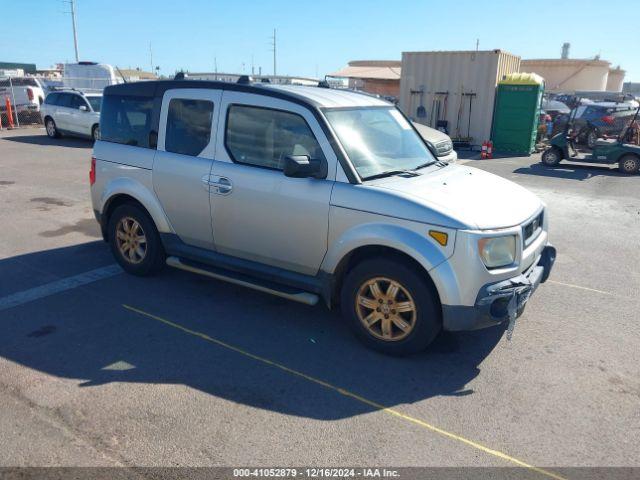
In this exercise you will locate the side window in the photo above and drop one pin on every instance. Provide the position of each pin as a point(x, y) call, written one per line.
point(126, 119)
point(188, 126)
point(64, 100)
point(264, 137)
point(52, 99)
point(77, 101)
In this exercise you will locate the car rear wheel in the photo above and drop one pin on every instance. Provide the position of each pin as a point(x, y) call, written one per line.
point(134, 241)
point(50, 127)
point(390, 307)
point(552, 156)
point(95, 133)
point(629, 164)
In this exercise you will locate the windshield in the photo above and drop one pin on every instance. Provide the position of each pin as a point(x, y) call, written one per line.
point(95, 103)
point(378, 140)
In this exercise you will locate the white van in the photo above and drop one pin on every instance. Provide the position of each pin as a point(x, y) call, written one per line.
point(89, 76)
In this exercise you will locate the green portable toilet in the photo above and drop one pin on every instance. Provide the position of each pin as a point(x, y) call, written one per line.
point(516, 113)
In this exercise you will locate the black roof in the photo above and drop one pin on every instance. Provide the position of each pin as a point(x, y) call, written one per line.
point(156, 88)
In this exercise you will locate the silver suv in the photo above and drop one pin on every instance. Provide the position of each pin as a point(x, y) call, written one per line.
point(309, 193)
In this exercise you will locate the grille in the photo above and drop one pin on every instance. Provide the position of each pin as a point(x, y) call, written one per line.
point(531, 230)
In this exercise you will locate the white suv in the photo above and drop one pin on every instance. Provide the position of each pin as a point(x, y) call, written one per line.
point(72, 112)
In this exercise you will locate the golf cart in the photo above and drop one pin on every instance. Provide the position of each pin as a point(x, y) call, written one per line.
point(623, 149)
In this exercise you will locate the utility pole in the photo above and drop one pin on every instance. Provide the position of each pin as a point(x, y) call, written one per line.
point(151, 57)
point(273, 47)
point(73, 23)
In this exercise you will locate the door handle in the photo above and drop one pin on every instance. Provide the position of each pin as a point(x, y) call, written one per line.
point(219, 185)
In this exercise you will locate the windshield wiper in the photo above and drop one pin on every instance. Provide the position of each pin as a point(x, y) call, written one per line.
point(432, 162)
point(390, 173)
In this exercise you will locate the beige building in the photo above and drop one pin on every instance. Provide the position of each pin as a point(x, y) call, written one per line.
point(380, 77)
point(572, 74)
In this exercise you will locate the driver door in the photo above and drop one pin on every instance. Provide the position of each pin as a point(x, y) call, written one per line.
point(258, 213)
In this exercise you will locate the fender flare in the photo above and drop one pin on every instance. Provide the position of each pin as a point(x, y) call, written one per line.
point(135, 189)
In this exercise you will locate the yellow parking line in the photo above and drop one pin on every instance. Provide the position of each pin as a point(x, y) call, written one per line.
point(347, 393)
point(581, 288)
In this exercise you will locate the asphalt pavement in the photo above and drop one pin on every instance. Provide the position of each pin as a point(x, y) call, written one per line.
point(101, 368)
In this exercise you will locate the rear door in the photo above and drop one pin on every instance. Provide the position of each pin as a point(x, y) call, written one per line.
point(62, 116)
point(186, 148)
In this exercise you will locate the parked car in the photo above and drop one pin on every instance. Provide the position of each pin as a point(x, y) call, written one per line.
point(596, 120)
point(72, 112)
point(438, 142)
point(26, 95)
point(309, 193)
point(553, 108)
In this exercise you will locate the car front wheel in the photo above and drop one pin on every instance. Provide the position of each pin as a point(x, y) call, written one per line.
point(390, 306)
point(552, 156)
point(50, 127)
point(134, 241)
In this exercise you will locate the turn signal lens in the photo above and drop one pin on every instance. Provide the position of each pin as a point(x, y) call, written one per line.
point(439, 237)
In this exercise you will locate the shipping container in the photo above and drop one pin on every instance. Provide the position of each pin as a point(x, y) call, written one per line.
point(454, 90)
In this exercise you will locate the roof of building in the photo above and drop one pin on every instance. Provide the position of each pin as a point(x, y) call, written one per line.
point(371, 69)
point(127, 72)
point(313, 96)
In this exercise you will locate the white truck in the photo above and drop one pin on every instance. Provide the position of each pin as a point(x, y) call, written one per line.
point(26, 95)
point(89, 76)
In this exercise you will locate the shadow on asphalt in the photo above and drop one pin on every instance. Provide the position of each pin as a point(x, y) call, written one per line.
point(43, 139)
point(85, 334)
point(570, 171)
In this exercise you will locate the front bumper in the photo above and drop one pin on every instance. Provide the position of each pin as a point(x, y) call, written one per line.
point(497, 300)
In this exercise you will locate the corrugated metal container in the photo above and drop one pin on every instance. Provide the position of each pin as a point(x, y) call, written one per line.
point(454, 87)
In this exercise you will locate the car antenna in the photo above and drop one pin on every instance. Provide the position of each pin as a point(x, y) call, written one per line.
point(123, 77)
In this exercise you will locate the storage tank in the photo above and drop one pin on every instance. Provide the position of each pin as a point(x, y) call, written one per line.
point(615, 80)
point(454, 90)
point(570, 74)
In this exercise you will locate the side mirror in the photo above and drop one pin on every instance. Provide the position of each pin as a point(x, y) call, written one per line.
point(301, 166)
point(83, 108)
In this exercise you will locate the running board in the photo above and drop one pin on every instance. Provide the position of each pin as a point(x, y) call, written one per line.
point(244, 281)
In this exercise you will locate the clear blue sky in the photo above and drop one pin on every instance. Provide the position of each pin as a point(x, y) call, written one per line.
point(313, 36)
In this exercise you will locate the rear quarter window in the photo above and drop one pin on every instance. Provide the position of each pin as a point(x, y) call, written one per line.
point(126, 120)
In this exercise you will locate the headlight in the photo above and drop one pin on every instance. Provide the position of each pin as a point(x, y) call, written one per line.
point(497, 251)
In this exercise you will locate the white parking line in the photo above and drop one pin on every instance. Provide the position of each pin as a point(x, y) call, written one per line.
point(26, 296)
point(582, 288)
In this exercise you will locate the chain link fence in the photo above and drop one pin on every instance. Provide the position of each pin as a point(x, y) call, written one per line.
point(22, 97)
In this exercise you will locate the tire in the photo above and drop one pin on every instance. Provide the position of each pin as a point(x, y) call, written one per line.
point(552, 156)
point(422, 323)
point(141, 258)
point(591, 138)
point(95, 133)
point(629, 164)
point(50, 127)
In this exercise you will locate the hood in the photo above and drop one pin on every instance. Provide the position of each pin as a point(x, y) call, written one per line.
point(429, 134)
point(473, 197)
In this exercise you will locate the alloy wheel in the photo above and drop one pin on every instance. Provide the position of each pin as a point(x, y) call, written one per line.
point(386, 309)
point(51, 128)
point(131, 240)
